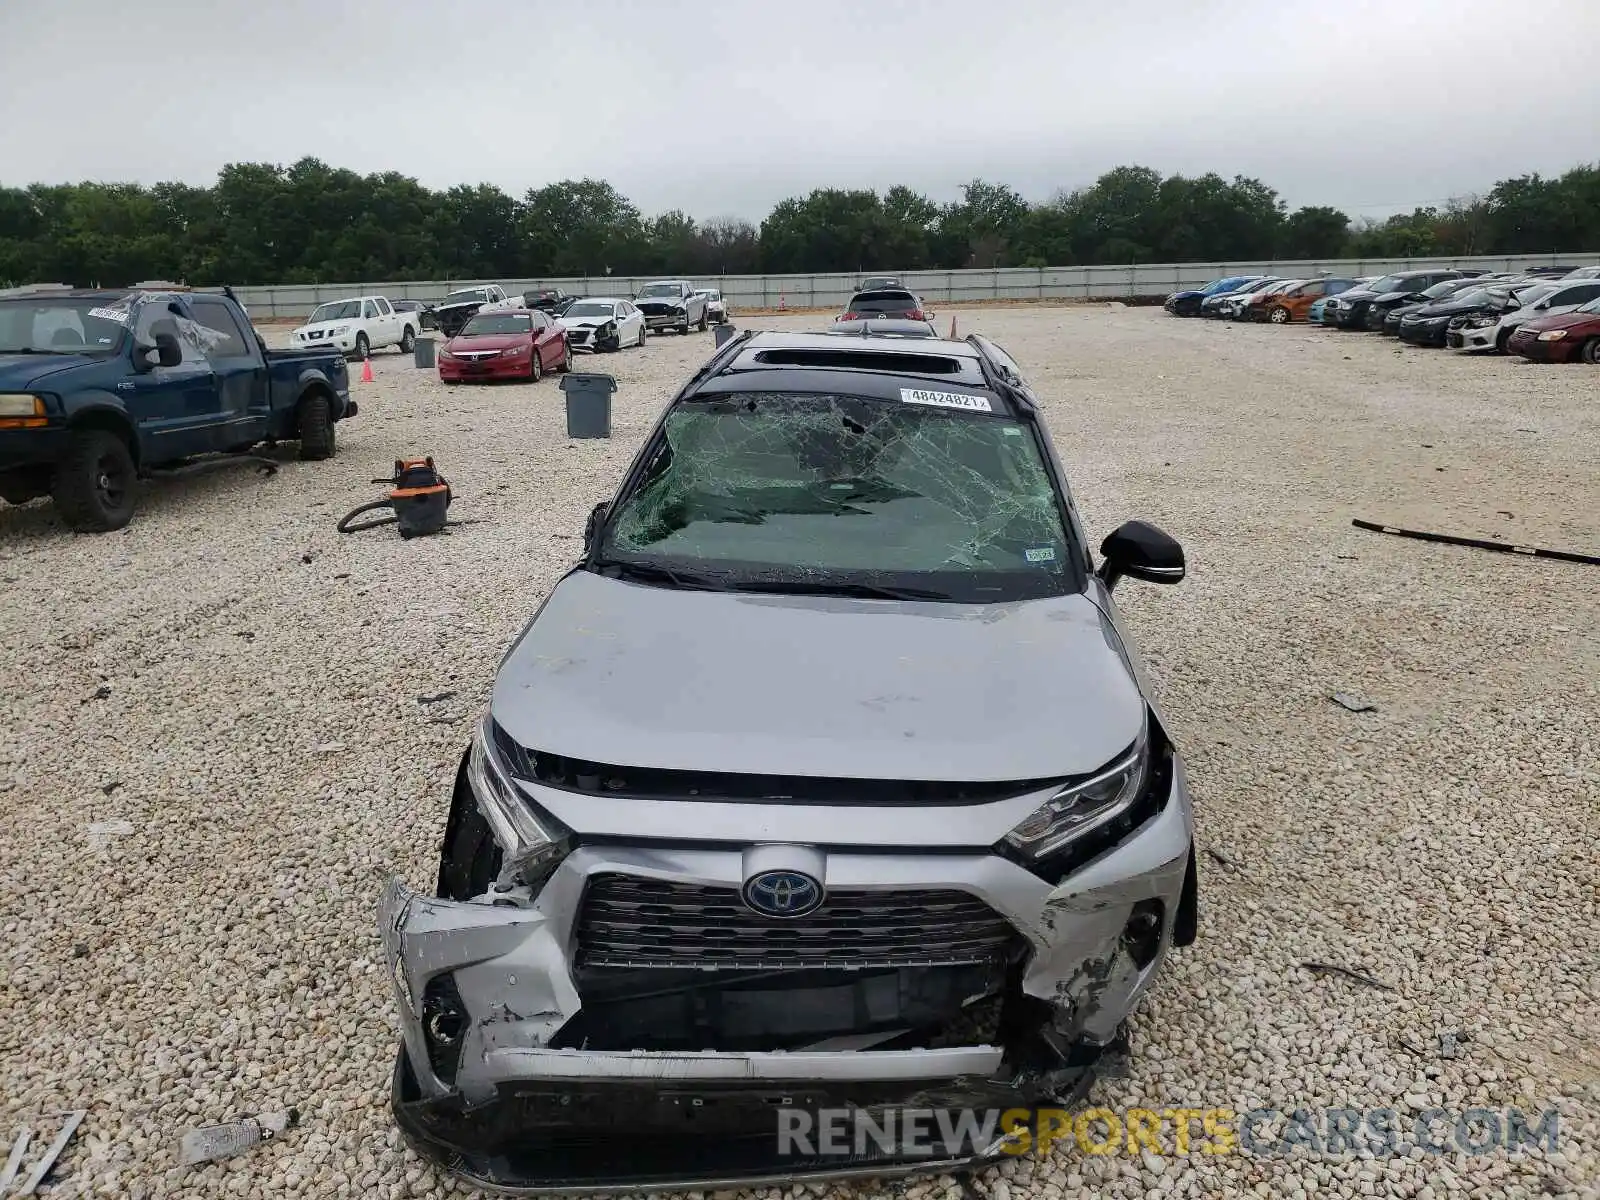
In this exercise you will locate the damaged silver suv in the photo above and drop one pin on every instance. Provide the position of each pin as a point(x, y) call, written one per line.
point(827, 779)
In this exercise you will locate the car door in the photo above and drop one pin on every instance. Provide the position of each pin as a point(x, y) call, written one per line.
point(631, 328)
point(173, 408)
point(389, 323)
point(239, 371)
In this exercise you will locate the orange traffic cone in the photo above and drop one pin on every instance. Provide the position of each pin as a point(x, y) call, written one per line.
point(366, 370)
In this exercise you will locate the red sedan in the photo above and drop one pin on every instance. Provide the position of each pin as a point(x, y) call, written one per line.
point(519, 343)
point(1569, 337)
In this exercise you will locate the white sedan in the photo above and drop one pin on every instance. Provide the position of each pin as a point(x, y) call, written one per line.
point(603, 323)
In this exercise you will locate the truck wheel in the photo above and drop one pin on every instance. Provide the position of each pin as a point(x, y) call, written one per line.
point(363, 346)
point(408, 341)
point(95, 486)
point(316, 428)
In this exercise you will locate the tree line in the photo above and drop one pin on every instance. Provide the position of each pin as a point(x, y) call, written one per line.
point(262, 223)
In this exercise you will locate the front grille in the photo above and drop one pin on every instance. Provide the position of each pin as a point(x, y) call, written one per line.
point(577, 336)
point(630, 921)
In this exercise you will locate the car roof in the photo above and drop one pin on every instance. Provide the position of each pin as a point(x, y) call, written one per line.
point(882, 326)
point(875, 367)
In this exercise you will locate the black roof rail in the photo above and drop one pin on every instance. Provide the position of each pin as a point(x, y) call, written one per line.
point(713, 365)
point(1000, 377)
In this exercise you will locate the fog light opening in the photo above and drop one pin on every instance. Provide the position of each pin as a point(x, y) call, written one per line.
point(1141, 936)
point(446, 1028)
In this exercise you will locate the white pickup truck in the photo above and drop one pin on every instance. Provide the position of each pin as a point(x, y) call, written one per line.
point(459, 307)
point(358, 326)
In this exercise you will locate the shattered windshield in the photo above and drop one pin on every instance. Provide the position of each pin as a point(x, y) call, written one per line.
point(801, 492)
point(62, 326)
point(337, 310)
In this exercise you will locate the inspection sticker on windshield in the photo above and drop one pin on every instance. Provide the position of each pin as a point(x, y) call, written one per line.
point(119, 315)
point(1045, 554)
point(946, 399)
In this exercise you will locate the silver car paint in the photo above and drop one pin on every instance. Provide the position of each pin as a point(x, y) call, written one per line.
point(621, 672)
point(512, 971)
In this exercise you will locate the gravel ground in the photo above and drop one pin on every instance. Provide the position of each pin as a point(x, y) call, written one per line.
point(239, 684)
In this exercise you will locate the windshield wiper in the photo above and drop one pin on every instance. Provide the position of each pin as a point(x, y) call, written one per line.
point(654, 573)
point(860, 591)
point(31, 350)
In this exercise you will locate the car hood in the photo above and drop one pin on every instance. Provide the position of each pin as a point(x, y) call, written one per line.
point(487, 341)
point(1569, 320)
point(18, 372)
point(627, 674)
point(1453, 308)
point(442, 307)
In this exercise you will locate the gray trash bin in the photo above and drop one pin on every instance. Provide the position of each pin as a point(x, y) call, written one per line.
point(422, 352)
point(588, 403)
point(724, 332)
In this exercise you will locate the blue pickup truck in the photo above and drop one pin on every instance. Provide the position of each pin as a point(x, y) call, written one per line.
point(100, 388)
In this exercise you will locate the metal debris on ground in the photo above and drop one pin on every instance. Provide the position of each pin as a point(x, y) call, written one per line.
point(47, 1160)
point(14, 1161)
point(1322, 968)
point(212, 1142)
point(1353, 703)
point(1592, 560)
point(1219, 856)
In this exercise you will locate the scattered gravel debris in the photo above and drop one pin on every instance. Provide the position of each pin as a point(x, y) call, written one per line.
point(1447, 842)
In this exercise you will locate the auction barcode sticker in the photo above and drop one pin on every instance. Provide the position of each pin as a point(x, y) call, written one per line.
point(946, 399)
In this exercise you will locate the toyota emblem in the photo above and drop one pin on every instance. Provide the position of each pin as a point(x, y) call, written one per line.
point(783, 893)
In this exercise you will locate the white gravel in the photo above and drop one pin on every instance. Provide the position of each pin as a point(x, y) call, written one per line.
point(253, 718)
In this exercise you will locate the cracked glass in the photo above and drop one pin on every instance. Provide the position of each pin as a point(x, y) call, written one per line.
point(810, 486)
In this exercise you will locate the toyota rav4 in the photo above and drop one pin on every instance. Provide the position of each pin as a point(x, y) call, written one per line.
point(827, 778)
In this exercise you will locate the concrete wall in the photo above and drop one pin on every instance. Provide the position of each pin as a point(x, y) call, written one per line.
point(831, 291)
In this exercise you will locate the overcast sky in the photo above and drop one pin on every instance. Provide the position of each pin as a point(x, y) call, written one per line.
point(726, 106)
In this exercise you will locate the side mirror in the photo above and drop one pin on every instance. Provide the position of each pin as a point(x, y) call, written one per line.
point(168, 352)
point(591, 527)
point(1139, 550)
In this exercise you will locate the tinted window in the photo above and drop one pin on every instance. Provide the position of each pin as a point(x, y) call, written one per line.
point(810, 490)
point(1574, 295)
point(215, 316)
point(383, 307)
point(496, 323)
point(883, 302)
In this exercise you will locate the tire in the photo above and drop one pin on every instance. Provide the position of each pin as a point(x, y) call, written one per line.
point(1589, 352)
point(363, 347)
point(1279, 315)
point(315, 426)
point(702, 326)
point(408, 341)
point(640, 342)
point(566, 358)
point(536, 366)
point(95, 487)
point(1501, 342)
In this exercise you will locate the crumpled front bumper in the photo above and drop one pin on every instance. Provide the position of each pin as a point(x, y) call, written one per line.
point(523, 1115)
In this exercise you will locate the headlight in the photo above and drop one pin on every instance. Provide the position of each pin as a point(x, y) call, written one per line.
point(1084, 807)
point(532, 845)
point(1552, 335)
point(339, 331)
point(515, 351)
point(606, 330)
point(21, 404)
point(446, 356)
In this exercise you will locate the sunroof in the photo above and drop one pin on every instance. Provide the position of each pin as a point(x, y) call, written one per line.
point(862, 360)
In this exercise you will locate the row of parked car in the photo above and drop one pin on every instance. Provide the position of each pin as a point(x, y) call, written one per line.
point(359, 325)
point(1548, 314)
